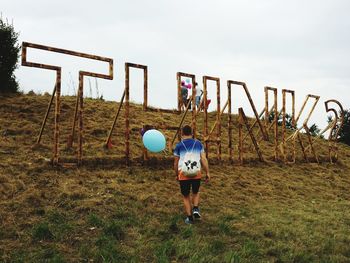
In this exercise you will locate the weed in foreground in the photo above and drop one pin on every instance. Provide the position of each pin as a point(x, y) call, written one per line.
point(108, 250)
point(49, 254)
point(95, 221)
point(165, 251)
point(42, 231)
point(115, 230)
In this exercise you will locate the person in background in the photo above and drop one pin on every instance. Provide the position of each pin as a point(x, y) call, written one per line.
point(184, 95)
point(199, 94)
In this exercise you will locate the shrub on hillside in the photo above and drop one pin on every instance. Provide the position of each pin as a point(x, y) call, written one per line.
point(9, 53)
point(344, 133)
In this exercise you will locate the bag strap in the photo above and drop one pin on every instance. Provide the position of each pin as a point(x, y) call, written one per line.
point(192, 146)
point(184, 146)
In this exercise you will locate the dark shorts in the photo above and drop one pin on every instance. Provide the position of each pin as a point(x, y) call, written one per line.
point(185, 186)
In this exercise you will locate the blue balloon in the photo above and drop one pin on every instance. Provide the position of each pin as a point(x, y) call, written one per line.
point(154, 141)
point(188, 81)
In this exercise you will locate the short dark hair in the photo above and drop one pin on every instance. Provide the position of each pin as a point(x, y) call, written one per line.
point(187, 130)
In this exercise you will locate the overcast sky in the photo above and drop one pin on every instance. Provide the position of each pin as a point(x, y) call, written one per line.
point(303, 45)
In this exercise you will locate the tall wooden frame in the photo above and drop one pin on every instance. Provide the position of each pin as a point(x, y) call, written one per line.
point(267, 116)
point(284, 116)
point(180, 75)
point(217, 123)
point(57, 91)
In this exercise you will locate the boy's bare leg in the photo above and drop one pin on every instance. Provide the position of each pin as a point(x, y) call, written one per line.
point(195, 199)
point(187, 204)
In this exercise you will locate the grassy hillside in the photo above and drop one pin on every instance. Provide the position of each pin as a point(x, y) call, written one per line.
point(258, 212)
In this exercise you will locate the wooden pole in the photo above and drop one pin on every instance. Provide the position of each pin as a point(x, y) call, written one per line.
point(194, 123)
point(127, 110)
point(145, 88)
point(229, 124)
point(240, 136)
point(57, 117)
point(108, 141)
point(47, 114)
point(179, 98)
point(218, 116)
point(284, 126)
point(267, 115)
point(81, 108)
point(205, 92)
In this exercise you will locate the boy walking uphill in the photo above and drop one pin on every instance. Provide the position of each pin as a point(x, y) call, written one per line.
point(189, 156)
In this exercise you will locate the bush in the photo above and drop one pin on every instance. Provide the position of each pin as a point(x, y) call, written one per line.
point(42, 232)
point(344, 133)
point(9, 53)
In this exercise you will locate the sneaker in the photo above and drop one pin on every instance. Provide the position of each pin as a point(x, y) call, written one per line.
point(188, 221)
point(196, 213)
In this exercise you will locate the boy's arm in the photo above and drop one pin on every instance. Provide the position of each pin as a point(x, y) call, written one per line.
point(205, 164)
point(176, 166)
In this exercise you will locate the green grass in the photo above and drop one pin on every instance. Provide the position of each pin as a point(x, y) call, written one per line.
point(253, 213)
point(42, 231)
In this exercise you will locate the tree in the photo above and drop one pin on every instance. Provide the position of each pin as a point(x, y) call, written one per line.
point(314, 130)
point(344, 133)
point(289, 120)
point(9, 53)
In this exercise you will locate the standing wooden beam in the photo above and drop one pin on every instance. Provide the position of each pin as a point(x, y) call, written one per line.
point(284, 113)
point(229, 123)
point(194, 108)
point(267, 113)
point(57, 117)
point(127, 110)
point(218, 116)
point(240, 137)
point(205, 94)
point(81, 107)
point(218, 128)
point(145, 88)
point(179, 97)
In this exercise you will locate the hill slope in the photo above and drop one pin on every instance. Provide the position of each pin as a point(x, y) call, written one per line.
point(252, 213)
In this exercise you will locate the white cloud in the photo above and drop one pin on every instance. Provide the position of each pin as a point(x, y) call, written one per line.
point(301, 45)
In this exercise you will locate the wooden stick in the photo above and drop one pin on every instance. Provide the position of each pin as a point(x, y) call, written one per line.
point(107, 143)
point(57, 118)
point(46, 115)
